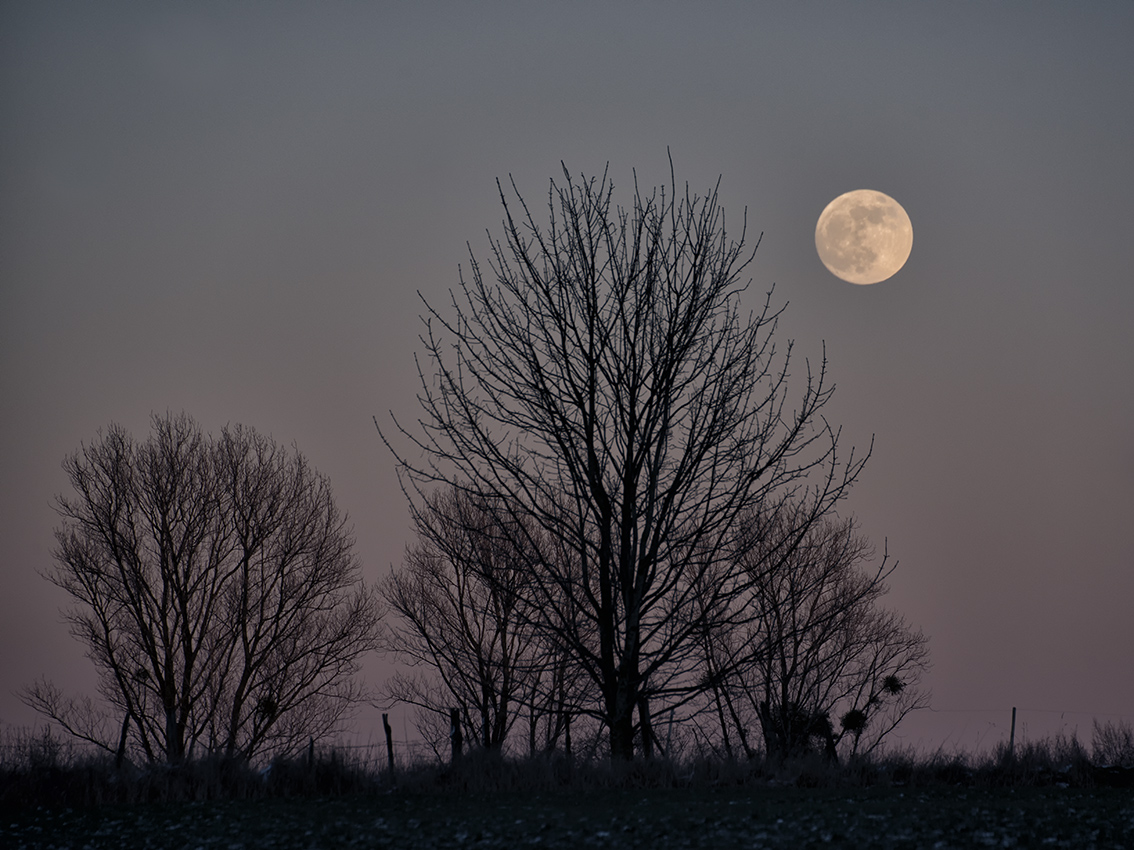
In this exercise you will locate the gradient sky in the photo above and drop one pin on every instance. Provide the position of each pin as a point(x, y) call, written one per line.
point(229, 209)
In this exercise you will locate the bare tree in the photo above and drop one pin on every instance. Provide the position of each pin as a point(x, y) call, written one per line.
point(215, 589)
point(822, 662)
point(456, 596)
point(557, 696)
point(602, 384)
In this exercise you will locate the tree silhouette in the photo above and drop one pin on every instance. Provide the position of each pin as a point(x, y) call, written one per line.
point(456, 597)
point(820, 649)
point(600, 382)
point(215, 589)
point(458, 601)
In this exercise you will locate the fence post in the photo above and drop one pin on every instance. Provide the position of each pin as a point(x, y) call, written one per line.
point(456, 739)
point(1012, 736)
point(389, 742)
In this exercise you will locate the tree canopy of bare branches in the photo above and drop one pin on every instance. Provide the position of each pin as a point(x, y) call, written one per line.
point(600, 381)
point(216, 590)
point(456, 596)
point(822, 658)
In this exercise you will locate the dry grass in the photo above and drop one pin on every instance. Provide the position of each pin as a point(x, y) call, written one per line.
point(41, 769)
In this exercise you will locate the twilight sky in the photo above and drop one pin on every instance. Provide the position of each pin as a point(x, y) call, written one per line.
point(229, 209)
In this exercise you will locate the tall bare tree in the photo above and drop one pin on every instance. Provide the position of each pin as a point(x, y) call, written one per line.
point(601, 382)
point(216, 591)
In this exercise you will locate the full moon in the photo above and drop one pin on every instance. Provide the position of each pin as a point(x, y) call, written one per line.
point(864, 236)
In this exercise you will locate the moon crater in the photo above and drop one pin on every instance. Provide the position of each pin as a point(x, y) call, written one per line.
point(864, 236)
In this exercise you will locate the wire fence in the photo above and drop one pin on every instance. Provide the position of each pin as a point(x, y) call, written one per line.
point(45, 744)
point(375, 755)
point(977, 730)
point(970, 730)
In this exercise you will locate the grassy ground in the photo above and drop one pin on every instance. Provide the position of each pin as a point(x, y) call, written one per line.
point(939, 817)
point(1051, 793)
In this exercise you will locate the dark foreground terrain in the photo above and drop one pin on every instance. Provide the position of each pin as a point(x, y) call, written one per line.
point(735, 817)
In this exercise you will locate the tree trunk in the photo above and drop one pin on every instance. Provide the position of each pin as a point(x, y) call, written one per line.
point(725, 737)
point(121, 754)
point(173, 744)
point(775, 744)
point(620, 707)
point(646, 726)
point(456, 739)
point(622, 739)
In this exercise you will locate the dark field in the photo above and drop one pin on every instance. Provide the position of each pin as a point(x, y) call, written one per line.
point(760, 817)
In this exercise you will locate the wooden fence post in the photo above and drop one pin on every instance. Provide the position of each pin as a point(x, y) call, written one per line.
point(389, 742)
point(1012, 736)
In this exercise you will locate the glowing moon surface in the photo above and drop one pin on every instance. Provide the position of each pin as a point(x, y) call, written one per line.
point(864, 236)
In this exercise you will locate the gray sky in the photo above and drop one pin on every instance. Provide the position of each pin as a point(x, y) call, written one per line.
point(229, 209)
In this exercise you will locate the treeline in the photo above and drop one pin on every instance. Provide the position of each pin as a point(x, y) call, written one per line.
point(804, 657)
point(626, 508)
point(625, 497)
